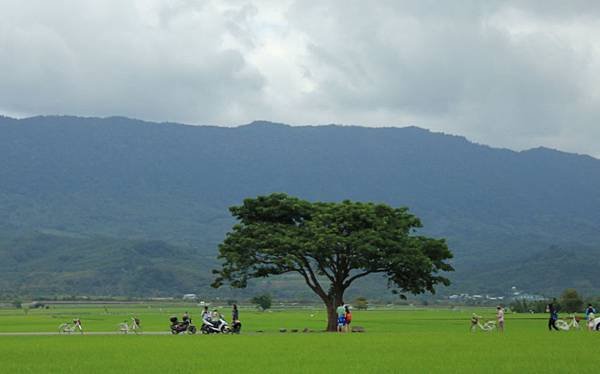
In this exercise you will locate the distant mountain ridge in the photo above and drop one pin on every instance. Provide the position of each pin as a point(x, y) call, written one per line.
point(134, 180)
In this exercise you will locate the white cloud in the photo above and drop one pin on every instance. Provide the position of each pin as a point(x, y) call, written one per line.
point(507, 73)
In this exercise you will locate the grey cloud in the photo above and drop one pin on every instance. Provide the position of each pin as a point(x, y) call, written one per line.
point(508, 73)
point(454, 68)
point(164, 63)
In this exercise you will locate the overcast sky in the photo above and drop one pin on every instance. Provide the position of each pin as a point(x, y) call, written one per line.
point(516, 74)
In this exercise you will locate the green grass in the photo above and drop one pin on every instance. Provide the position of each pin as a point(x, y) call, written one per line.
point(406, 340)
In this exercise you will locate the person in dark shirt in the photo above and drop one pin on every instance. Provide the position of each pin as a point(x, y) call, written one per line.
point(235, 313)
point(553, 317)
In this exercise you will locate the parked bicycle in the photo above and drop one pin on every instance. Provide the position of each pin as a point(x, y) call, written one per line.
point(134, 327)
point(67, 328)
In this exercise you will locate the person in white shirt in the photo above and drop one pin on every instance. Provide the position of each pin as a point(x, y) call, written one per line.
point(500, 318)
point(206, 316)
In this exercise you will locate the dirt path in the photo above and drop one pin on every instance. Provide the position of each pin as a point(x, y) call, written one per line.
point(45, 333)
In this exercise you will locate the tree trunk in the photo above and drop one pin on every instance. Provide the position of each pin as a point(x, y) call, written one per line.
point(331, 317)
point(332, 303)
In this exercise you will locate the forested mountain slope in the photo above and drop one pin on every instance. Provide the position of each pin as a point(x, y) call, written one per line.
point(128, 180)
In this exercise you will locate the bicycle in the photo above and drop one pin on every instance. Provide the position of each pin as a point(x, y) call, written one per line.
point(67, 328)
point(125, 328)
point(476, 324)
point(568, 325)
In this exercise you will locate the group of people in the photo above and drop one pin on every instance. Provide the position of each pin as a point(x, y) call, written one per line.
point(489, 325)
point(590, 316)
point(344, 318)
point(136, 325)
point(214, 321)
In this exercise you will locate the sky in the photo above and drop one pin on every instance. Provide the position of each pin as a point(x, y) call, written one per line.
point(515, 74)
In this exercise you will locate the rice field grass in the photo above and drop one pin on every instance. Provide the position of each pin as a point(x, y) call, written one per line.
point(405, 340)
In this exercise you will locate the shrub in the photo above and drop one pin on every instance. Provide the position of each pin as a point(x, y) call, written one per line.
point(528, 306)
point(263, 301)
point(361, 303)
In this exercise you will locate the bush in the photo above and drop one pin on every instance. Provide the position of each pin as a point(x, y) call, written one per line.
point(263, 301)
point(361, 303)
point(528, 306)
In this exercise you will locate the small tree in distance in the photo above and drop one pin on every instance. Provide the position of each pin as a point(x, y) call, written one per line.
point(330, 245)
point(570, 301)
point(361, 303)
point(263, 302)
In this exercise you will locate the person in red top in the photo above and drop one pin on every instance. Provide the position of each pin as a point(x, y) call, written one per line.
point(348, 318)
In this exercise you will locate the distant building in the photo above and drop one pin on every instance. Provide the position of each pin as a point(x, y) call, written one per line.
point(530, 297)
point(190, 296)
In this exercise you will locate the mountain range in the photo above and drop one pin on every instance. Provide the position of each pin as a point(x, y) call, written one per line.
point(120, 206)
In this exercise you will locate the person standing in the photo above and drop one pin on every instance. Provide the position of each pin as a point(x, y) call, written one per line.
point(474, 322)
point(590, 321)
point(589, 310)
point(348, 317)
point(206, 314)
point(553, 317)
point(341, 321)
point(500, 318)
point(590, 314)
point(77, 325)
point(235, 313)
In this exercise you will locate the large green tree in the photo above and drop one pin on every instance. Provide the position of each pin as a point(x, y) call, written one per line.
point(330, 245)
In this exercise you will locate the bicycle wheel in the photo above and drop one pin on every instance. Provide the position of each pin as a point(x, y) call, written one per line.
point(562, 325)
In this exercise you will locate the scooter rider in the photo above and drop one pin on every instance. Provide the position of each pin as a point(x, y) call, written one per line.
point(206, 314)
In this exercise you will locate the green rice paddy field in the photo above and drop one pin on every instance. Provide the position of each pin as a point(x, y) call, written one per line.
point(406, 340)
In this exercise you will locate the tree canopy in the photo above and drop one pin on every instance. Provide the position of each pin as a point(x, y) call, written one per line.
point(330, 245)
point(263, 301)
point(571, 301)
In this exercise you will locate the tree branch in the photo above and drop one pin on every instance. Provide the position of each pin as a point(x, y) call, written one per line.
point(311, 274)
point(316, 289)
point(349, 281)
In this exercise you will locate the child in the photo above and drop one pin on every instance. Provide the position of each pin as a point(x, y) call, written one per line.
point(589, 310)
point(348, 318)
point(591, 317)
